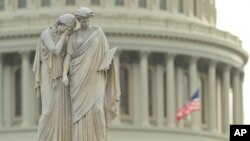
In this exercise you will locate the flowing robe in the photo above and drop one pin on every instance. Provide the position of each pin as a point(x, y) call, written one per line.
point(55, 123)
point(94, 93)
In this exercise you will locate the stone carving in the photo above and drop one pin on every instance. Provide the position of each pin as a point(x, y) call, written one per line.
point(78, 84)
point(56, 120)
point(94, 93)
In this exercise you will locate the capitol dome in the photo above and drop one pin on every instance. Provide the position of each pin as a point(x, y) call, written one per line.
point(167, 49)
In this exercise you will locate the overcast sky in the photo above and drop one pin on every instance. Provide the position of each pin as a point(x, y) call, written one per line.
point(233, 16)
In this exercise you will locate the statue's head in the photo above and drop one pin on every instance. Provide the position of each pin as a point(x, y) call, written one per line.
point(65, 22)
point(83, 14)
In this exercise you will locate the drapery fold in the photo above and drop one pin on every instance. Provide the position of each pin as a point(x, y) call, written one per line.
point(93, 93)
point(55, 123)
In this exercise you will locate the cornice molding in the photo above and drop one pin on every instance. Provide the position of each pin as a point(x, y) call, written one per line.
point(9, 27)
point(144, 27)
point(142, 33)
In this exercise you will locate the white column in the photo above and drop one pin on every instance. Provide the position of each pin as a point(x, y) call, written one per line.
point(159, 95)
point(179, 89)
point(203, 12)
point(109, 3)
point(199, 8)
point(225, 99)
point(154, 5)
point(144, 88)
point(170, 90)
point(193, 82)
point(241, 97)
point(212, 95)
point(117, 120)
point(8, 5)
point(57, 3)
point(171, 6)
point(1, 90)
point(132, 4)
point(189, 5)
point(25, 89)
point(136, 97)
point(31, 4)
point(236, 97)
point(82, 2)
point(7, 86)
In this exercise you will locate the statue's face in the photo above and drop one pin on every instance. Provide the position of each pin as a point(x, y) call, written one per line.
point(62, 27)
point(83, 21)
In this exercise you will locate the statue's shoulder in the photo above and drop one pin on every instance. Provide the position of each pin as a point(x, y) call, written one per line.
point(98, 29)
point(74, 33)
point(45, 34)
point(95, 27)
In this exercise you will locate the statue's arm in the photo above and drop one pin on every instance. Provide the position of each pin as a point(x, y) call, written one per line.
point(66, 64)
point(60, 43)
point(53, 47)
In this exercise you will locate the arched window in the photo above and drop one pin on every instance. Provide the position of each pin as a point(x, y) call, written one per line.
point(119, 2)
point(70, 2)
point(2, 5)
point(165, 93)
point(142, 3)
point(195, 7)
point(22, 3)
point(46, 3)
point(95, 2)
point(218, 103)
point(124, 84)
point(18, 93)
point(180, 6)
point(150, 93)
point(203, 99)
point(163, 4)
point(231, 105)
point(186, 89)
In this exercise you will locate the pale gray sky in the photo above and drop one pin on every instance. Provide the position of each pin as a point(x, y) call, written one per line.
point(233, 16)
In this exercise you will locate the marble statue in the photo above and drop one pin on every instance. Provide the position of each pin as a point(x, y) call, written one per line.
point(55, 123)
point(94, 89)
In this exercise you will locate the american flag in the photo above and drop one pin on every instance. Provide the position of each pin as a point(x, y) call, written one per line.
point(192, 105)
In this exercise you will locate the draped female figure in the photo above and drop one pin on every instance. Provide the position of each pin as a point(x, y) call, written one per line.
point(94, 93)
point(56, 119)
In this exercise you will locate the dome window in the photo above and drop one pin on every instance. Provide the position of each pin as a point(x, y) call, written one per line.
point(124, 82)
point(22, 3)
point(45, 3)
point(18, 93)
point(180, 6)
point(2, 5)
point(142, 3)
point(195, 7)
point(95, 2)
point(163, 4)
point(119, 2)
point(70, 2)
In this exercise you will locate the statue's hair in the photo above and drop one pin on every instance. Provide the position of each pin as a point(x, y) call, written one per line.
point(84, 12)
point(67, 19)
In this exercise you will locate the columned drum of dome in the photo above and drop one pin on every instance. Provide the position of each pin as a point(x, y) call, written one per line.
point(165, 53)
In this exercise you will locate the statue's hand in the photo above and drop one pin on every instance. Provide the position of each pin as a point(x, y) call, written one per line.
point(67, 32)
point(65, 80)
